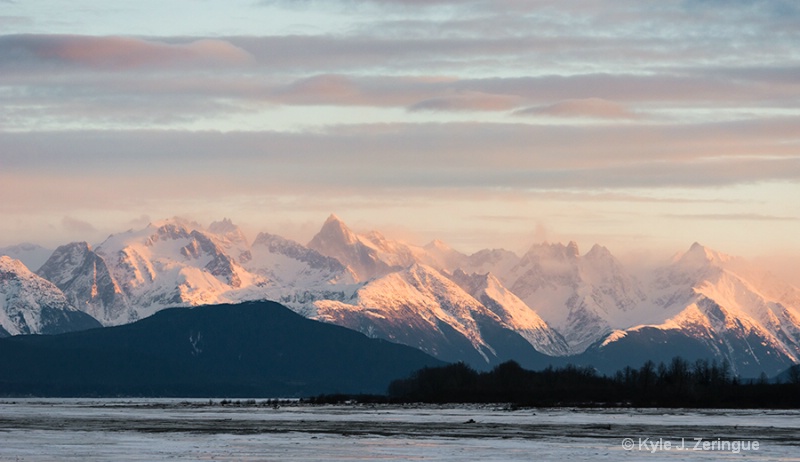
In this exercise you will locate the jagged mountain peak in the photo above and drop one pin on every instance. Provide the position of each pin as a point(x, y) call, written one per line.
point(556, 250)
point(333, 232)
point(333, 218)
point(177, 221)
point(223, 226)
point(572, 249)
point(264, 238)
point(87, 282)
point(699, 254)
point(232, 238)
point(599, 252)
point(361, 254)
point(228, 231)
point(65, 257)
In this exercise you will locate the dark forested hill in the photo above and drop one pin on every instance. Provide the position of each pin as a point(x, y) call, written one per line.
point(256, 349)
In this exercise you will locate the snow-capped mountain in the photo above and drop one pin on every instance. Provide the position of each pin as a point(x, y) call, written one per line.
point(86, 281)
point(373, 255)
point(582, 297)
point(136, 273)
point(478, 308)
point(500, 262)
point(297, 275)
point(169, 264)
point(30, 304)
point(366, 256)
point(31, 255)
point(289, 262)
point(512, 311)
point(419, 306)
point(230, 238)
point(730, 310)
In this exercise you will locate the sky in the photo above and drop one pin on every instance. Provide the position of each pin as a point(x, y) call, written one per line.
point(642, 126)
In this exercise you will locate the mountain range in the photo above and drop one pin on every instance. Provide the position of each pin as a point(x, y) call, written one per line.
point(550, 305)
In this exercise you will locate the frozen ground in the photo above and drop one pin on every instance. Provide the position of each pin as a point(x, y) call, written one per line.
point(126, 430)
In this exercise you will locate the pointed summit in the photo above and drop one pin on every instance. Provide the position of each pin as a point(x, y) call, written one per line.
point(699, 254)
point(333, 232)
point(333, 218)
point(598, 252)
point(572, 249)
point(336, 240)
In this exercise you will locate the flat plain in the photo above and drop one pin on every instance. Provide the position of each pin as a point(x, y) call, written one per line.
point(35, 429)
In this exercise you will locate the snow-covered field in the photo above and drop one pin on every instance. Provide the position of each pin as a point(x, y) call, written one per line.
point(102, 430)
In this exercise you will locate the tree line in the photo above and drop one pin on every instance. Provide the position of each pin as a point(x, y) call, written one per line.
point(678, 383)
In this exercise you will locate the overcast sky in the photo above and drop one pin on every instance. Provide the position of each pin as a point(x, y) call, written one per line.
point(497, 123)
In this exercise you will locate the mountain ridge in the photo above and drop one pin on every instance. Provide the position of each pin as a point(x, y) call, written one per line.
point(552, 300)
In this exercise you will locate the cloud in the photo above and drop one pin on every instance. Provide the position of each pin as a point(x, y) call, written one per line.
point(733, 217)
point(398, 159)
point(74, 225)
point(467, 101)
point(596, 108)
point(179, 96)
point(116, 53)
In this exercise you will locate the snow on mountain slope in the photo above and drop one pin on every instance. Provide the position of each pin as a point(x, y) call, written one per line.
point(30, 304)
point(231, 238)
point(739, 313)
point(488, 290)
point(439, 255)
point(499, 262)
point(373, 255)
point(87, 282)
point(367, 257)
point(31, 255)
point(551, 300)
point(170, 264)
point(420, 307)
point(582, 297)
point(298, 275)
point(132, 275)
point(291, 263)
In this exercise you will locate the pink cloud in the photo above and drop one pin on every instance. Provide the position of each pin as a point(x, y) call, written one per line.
point(125, 53)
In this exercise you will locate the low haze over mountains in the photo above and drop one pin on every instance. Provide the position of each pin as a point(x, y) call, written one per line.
point(552, 304)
